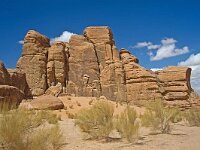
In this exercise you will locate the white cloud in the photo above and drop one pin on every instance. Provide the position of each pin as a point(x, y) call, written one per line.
point(166, 49)
point(193, 62)
point(21, 42)
point(64, 37)
point(149, 45)
point(156, 69)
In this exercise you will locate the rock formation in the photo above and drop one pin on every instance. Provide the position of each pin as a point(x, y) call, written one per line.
point(34, 62)
point(90, 65)
point(141, 84)
point(13, 86)
point(56, 65)
point(4, 75)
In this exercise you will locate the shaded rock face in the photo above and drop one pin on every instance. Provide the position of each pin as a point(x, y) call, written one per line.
point(33, 61)
point(91, 65)
point(4, 75)
point(18, 79)
point(10, 95)
point(13, 86)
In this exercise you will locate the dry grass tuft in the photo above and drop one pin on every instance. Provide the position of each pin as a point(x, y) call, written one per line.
point(128, 124)
point(26, 130)
point(192, 116)
point(159, 117)
point(96, 121)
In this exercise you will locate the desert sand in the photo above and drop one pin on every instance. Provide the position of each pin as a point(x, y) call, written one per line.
point(182, 137)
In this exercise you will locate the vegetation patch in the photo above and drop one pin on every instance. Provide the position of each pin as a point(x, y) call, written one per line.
point(159, 117)
point(27, 130)
point(96, 121)
point(128, 124)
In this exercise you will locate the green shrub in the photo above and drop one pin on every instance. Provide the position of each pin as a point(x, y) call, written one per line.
point(128, 124)
point(96, 121)
point(193, 117)
point(26, 130)
point(159, 117)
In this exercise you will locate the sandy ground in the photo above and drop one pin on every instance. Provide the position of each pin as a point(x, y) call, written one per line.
point(181, 138)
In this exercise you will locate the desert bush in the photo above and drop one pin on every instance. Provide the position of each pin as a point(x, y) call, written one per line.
point(71, 115)
point(96, 121)
point(128, 124)
point(192, 116)
point(52, 118)
point(26, 130)
point(158, 116)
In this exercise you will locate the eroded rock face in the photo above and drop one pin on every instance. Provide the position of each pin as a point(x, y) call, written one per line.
point(175, 82)
point(110, 68)
point(10, 95)
point(18, 79)
point(91, 65)
point(83, 75)
point(33, 61)
point(56, 66)
point(141, 84)
point(4, 75)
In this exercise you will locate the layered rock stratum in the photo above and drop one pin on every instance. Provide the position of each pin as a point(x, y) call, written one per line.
point(90, 65)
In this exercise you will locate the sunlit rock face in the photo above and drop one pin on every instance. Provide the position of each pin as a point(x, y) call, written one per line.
point(91, 65)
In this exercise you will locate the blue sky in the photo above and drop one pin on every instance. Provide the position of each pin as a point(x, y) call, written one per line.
point(132, 22)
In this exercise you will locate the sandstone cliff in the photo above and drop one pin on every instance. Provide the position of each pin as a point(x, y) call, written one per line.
point(91, 65)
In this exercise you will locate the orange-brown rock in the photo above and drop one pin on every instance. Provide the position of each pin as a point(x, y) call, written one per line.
point(91, 65)
point(111, 69)
point(46, 102)
point(102, 38)
point(141, 84)
point(18, 79)
point(10, 95)
point(175, 82)
point(34, 60)
point(83, 75)
point(4, 75)
point(56, 66)
point(55, 90)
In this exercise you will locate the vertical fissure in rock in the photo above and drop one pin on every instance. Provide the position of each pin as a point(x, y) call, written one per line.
point(99, 70)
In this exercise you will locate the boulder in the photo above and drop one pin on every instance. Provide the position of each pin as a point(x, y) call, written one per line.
point(10, 95)
point(54, 90)
point(18, 79)
point(46, 102)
